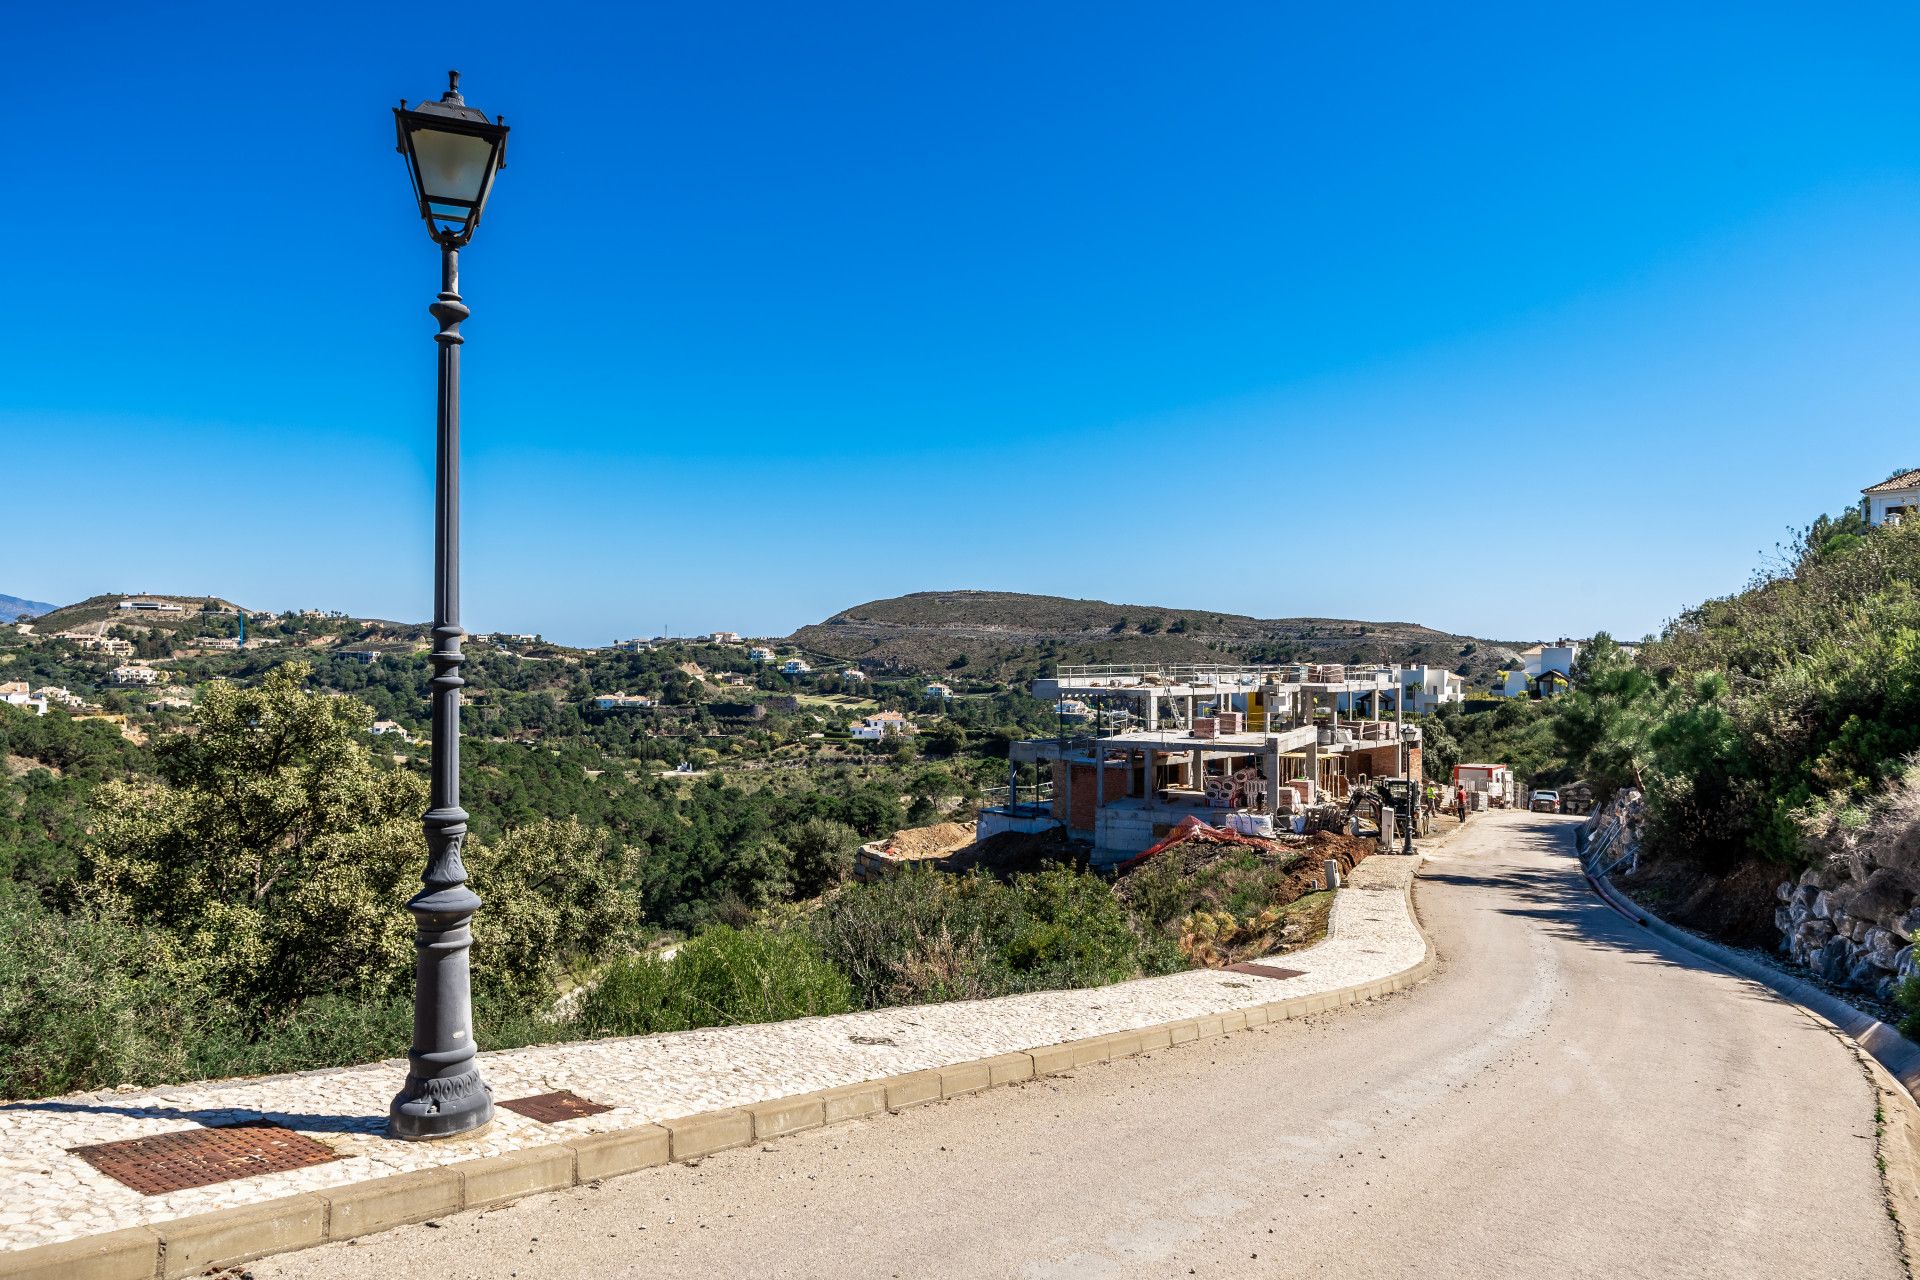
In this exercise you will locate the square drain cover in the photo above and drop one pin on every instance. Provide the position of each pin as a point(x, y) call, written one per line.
point(200, 1157)
point(552, 1108)
point(1264, 970)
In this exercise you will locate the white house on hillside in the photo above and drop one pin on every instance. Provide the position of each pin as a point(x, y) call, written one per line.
point(1892, 499)
point(1548, 666)
point(1428, 688)
point(879, 725)
point(795, 667)
point(14, 694)
point(760, 653)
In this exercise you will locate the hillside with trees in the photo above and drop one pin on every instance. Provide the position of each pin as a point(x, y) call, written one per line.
point(1013, 637)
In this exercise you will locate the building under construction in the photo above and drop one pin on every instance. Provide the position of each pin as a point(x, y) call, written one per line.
point(1261, 749)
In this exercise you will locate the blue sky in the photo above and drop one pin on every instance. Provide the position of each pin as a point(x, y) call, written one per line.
point(1510, 321)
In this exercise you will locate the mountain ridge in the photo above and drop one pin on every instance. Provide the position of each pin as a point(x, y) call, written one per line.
point(1011, 634)
point(15, 607)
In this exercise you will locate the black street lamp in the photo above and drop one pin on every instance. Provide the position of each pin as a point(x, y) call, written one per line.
point(453, 152)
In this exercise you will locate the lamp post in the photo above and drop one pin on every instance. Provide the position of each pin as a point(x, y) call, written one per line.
point(452, 151)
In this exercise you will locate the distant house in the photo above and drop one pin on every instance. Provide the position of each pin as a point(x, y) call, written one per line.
point(795, 667)
point(621, 702)
point(14, 694)
point(98, 642)
point(854, 674)
point(1426, 689)
point(170, 704)
point(383, 728)
point(1073, 710)
point(760, 653)
point(1547, 670)
point(937, 690)
point(365, 657)
point(134, 675)
point(217, 642)
point(63, 697)
point(879, 725)
point(724, 637)
point(735, 679)
point(143, 604)
point(1892, 500)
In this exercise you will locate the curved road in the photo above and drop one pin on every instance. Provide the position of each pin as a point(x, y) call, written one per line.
point(1566, 1096)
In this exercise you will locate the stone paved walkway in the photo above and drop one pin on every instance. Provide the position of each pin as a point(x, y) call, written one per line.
point(48, 1195)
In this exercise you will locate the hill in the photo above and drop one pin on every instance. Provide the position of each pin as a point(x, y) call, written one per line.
point(1006, 635)
point(106, 608)
point(12, 607)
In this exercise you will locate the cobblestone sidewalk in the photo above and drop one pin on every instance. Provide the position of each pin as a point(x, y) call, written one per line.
point(49, 1195)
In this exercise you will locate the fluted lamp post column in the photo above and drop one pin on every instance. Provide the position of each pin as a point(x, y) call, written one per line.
point(453, 152)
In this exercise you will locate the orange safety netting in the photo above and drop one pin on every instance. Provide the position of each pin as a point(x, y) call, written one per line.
point(1191, 828)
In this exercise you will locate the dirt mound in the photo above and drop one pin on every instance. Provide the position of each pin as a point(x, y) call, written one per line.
point(929, 842)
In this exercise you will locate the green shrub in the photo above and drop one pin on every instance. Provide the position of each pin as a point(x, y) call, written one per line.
point(919, 936)
point(913, 937)
point(88, 1002)
point(1906, 1002)
point(1068, 930)
point(723, 977)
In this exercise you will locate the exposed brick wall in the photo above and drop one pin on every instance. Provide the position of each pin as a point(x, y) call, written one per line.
point(1381, 762)
point(1118, 779)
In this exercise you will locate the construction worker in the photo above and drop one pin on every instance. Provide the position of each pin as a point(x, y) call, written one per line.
point(1460, 798)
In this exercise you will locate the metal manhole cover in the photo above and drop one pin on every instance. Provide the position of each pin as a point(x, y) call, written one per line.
point(552, 1108)
point(1265, 971)
point(201, 1157)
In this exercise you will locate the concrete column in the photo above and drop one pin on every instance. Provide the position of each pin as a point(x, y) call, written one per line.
point(1198, 768)
point(1273, 775)
point(1153, 711)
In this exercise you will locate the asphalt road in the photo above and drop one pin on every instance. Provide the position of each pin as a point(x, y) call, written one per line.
point(1566, 1096)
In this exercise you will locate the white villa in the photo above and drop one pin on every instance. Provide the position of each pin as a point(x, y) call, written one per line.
point(795, 667)
point(1546, 665)
point(938, 690)
point(14, 694)
point(1426, 689)
point(853, 673)
point(879, 725)
point(1892, 500)
point(760, 653)
point(621, 702)
point(134, 675)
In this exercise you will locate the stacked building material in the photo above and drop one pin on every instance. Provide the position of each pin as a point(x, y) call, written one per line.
point(1232, 721)
point(1206, 727)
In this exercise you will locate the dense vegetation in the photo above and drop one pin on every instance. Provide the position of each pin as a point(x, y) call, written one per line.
point(224, 899)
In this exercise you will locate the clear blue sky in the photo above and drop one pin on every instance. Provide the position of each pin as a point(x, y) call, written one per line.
point(1513, 321)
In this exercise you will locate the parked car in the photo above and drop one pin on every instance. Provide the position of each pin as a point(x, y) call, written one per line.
point(1545, 802)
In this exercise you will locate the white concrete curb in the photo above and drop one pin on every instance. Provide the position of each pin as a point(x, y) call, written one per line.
point(1899, 1055)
